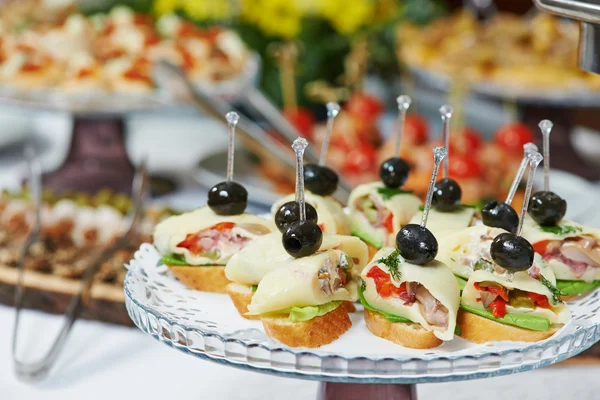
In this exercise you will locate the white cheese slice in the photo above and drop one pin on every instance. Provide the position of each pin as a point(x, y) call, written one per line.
point(445, 223)
point(558, 314)
point(174, 230)
point(296, 284)
point(266, 253)
point(434, 276)
point(330, 213)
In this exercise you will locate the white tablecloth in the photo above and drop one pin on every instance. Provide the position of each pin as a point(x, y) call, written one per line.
point(102, 360)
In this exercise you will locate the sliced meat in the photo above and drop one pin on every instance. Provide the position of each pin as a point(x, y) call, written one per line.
point(433, 311)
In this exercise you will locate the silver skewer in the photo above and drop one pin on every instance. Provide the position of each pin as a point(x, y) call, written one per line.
point(232, 119)
point(404, 102)
point(446, 113)
point(438, 155)
point(528, 148)
point(333, 109)
point(534, 160)
point(546, 127)
point(299, 146)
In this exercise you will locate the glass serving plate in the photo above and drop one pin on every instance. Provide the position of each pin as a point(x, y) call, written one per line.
point(207, 325)
point(115, 103)
point(572, 97)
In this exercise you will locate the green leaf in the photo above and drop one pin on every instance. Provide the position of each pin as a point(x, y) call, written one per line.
point(173, 259)
point(561, 229)
point(387, 193)
point(254, 287)
point(461, 282)
point(388, 316)
point(576, 287)
point(556, 293)
point(301, 314)
point(522, 321)
point(392, 261)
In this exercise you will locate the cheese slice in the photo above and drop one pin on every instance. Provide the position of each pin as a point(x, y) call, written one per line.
point(534, 233)
point(296, 284)
point(174, 230)
point(558, 314)
point(402, 207)
point(463, 249)
point(434, 276)
point(266, 253)
point(445, 223)
point(331, 216)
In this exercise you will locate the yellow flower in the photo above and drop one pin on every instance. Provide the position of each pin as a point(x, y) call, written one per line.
point(206, 9)
point(348, 16)
point(280, 18)
point(162, 7)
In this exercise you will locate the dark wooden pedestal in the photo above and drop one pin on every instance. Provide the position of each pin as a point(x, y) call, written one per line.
point(357, 391)
point(97, 159)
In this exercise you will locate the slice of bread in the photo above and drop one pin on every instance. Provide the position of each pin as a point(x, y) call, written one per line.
point(482, 330)
point(404, 334)
point(372, 250)
point(312, 333)
point(241, 295)
point(205, 279)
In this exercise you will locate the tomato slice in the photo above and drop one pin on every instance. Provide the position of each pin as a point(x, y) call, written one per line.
point(498, 308)
point(388, 223)
point(383, 284)
point(540, 247)
point(364, 107)
point(513, 136)
point(539, 299)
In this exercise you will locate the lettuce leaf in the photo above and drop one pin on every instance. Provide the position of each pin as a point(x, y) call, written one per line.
point(521, 321)
point(301, 314)
point(388, 316)
point(576, 287)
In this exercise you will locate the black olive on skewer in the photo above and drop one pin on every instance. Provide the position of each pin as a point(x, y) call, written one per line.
point(394, 171)
point(446, 195)
point(320, 179)
point(290, 212)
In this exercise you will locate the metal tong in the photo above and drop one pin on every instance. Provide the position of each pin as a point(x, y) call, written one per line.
point(254, 137)
point(38, 370)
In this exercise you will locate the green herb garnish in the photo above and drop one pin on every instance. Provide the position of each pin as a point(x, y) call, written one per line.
point(561, 229)
point(387, 193)
point(556, 293)
point(392, 262)
point(174, 259)
point(483, 265)
point(254, 287)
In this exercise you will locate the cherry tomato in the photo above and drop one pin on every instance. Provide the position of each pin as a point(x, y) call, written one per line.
point(415, 129)
point(301, 119)
point(463, 166)
point(359, 159)
point(467, 141)
point(364, 107)
point(513, 136)
point(498, 308)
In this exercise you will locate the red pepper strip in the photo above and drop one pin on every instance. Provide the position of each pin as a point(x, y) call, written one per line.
point(498, 308)
point(540, 247)
point(497, 290)
point(388, 223)
point(539, 299)
point(383, 284)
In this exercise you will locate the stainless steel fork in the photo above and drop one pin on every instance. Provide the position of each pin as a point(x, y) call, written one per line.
point(38, 370)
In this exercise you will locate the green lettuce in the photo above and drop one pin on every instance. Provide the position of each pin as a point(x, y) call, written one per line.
point(388, 316)
point(521, 321)
point(576, 287)
point(301, 314)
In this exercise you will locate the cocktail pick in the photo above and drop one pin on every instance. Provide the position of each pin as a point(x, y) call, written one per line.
point(302, 237)
point(447, 192)
point(394, 171)
point(546, 207)
point(415, 242)
point(500, 214)
point(510, 250)
point(229, 197)
point(320, 179)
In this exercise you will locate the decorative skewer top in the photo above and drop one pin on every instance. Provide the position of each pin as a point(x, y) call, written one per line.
point(333, 109)
point(546, 127)
point(404, 102)
point(394, 171)
point(447, 192)
point(232, 119)
point(446, 113)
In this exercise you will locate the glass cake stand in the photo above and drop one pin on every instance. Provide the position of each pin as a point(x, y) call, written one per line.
point(207, 326)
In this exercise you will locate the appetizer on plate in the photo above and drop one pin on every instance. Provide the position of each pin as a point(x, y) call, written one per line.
point(378, 210)
point(249, 266)
point(321, 183)
point(197, 245)
point(447, 215)
point(514, 296)
point(410, 298)
point(571, 250)
point(300, 303)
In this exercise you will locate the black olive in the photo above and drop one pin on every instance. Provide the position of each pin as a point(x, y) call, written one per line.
point(547, 208)
point(512, 252)
point(498, 214)
point(446, 195)
point(320, 179)
point(416, 244)
point(302, 238)
point(228, 198)
point(290, 212)
point(393, 172)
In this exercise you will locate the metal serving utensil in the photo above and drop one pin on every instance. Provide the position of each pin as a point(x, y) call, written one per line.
point(172, 78)
point(38, 370)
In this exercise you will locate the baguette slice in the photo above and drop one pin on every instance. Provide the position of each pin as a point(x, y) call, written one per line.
point(413, 336)
point(241, 295)
point(478, 329)
point(205, 279)
point(313, 333)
